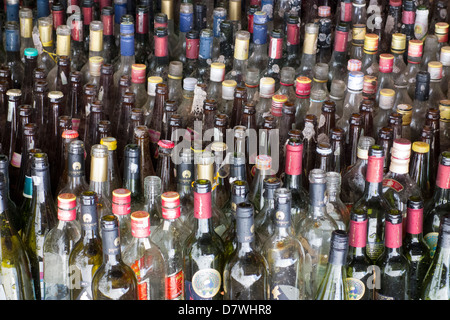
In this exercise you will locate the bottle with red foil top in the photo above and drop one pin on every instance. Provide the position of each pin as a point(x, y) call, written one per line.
point(138, 77)
point(58, 244)
point(275, 62)
point(170, 236)
point(373, 203)
point(398, 185)
point(121, 207)
point(302, 94)
point(142, 39)
point(292, 180)
point(385, 77)
point(110, 49)
point(439, 204)
point(394, 268)
point(338, 61)
point(408, 76)
point(358, 262)
point(415, 248)
point(192, 54)
point(408, 19)
point(145, 258)
point(159, 63)
point(79, 57)
point(203, 251)
point(292, 42)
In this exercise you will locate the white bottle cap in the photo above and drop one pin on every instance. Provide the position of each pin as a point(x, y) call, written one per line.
point(356, 80)
point(401, 149)
point(228, 87)
point(189, 84)
point(387, 97)
point(217, 72)
point(445, 56)
point(266, 87)
point(435, 70)
point(151, 85)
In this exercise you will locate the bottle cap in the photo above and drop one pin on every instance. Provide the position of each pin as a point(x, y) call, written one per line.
point(406, 111)
point(398, 44)
point(138, 73)
point(266, 87)
point(355, 80)
point(70, 134)
point(175, 70)
point(55, 95)
point(67, 207)
point(121, 201)
point(445, 56)
point(387, 97)
point(371, 43)
point(140, 224)
point(151, 84)
point(166, 144)
point(444, 109)
point(386, 63)
point(110, 142)
point(420, 147)
point(217, 71)
point(189, 84)
point(354, 65)
point(303, 86)
point(435, 70)
point(263, 162)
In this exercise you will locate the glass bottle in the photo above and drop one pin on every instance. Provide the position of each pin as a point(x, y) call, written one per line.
point(142, 39)
point(241, 46)
point(98, 181)
point(155, 124)
point(302, 101)
point(421, 103)
point(385, 108)
point(45, 47)
point(58, 244)
point(338, 61)
point(30, 64)
point(419, 168)
point(145, 258)
point(408, 77)
point(245, 260)
point(435, 69)
point(308, 58)
point(127, 53)
point(334, 285)
point(334, 205)
point(113, 269)
point(175, 81)
point(13, 60)
point(292, 48)
point(369, 61)
point(79, 57)
point(203, 250)
point(352, 99)
point(186, 24)
point(394, 266)
point(358, 263)
point(184, 177)
point(42, 220)
point(26, 29)
point(16, 269)
point(149, 105)
point(314, 232)
point(94, 46)
point(152, 195)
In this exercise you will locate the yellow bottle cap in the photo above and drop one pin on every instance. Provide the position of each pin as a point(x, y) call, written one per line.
point(398, 43)
point(154, 79)
point(420, 147)
point(281, 98)
point(110, 142)
point(229, 83)
point(370, 43)
point(387, 92)
point(444, 109)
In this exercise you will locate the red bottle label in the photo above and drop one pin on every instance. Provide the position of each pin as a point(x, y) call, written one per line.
point(414, 221)
point(391, 183)
point(294, 159)
point(161, 46)
point(443, 177)
point(142, 23)
point(394, 234)
point(357, 234)
point(174, 285)
point(346, 11)
point(276, 48)
point(202, 205)
point(408, 17)
point(87, 15)
point(170, 213)
point(192, 48)
point(303, 87)
point(375, 167)
point(140, 228)
point(142, 287)
point(108, 25)
point(340, 42)
point(77, 30)
point(250, 23)
point(293, 34)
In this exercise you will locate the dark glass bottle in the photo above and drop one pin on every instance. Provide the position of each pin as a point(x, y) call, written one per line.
point(30, 55)
point(165, 167)
point(132, 176)
point(14, 97)
point(142, 40)
point(309, 144)
point(386, 140)
point(354, 133)
point(106, 92)
point(14, 213)
point(110, 49)
point(79, 57)
point(13, 61)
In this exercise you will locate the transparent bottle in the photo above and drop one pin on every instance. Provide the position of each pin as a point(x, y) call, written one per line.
point(99, 178)
point(152, 194)
point(352, 99)
point(258, 57)
point(369, 61)
point(58, 244)
point(385, 108)
point(335, 207)
point(435, 69)
point(308, 57)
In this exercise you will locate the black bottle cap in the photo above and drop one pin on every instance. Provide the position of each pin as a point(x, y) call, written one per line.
point(414, 202)
point(107, 11)
point(423, 77)
point(202, 186)
point(161, 17)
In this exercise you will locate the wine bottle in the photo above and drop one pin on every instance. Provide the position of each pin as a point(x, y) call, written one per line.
point(203, 252)
point(86, 256)
point(334, 284)
point(284, 253)
point(113, 280)
point(58, 244)
point(245, 261)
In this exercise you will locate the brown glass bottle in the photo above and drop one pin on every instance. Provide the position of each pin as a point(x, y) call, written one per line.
point(91, 134)
point(323, 156)
point(395, 122)
point(432, 119)
point(40, 106)
point(106, 92)
point(89, 96)
point(248, 118)
point(170, 108)
point(62, 78)
point(136, 120)
point(385, 139)
point(128, 100)
point(309, 147)
point(5, 74)
point(209, 116)
point(27, 86)
point(75, 99)
point(175, 123)
point(327, 120)
point(355, 131)
point(116, 114)
point(142, 139)
point(155, 125)
point(104, 130)
point(366, 110)
point(165, 168)
point(4, 87)
point(240, 97)
point(54, 111)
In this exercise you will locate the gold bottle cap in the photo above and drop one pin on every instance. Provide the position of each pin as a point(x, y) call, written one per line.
point(110, 142)
point(406, 111)
point(420, 147)
point(444, 109)
point(398, 44)
point(370, 43)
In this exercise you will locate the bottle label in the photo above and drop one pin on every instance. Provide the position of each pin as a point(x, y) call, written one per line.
point(75, 165)
point(28, 187)
point(143, 286)
point(96, 41)
point(346, 11)
point(174, 285)
point(184, 174)
point(202, 205)
point(111, 242)
point(293, 34)
point(192, 48)
point(77, 30)
point(375, 167)
point(142, 23)
point(359, 32)
point(205, 285)
point(356, 289)
point(16, 159)
point(241, 49)
point(89, 217)
point(414, 222)
point(310, 43)
point(284, 292)
point(394, 184)
point(294, 159)
point(431, 239)
point(259, 34)
point(357, 234)
point(186, 22)
point(88, 15)
point(408, 17)
point(443, 177)
point(108, 25)
point(245, 229)
point(393, 237)
point(340, 42)
point(276, 48)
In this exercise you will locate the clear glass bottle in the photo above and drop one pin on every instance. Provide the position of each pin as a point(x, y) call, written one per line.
point(240, 61)
point(152, 194)
point(308, 57)
point(127, 53)
point(352, 99)
point(370, 64)
point(99, 178)
point(335, 207)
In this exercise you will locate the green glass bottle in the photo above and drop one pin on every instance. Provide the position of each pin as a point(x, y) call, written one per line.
point(393, 265)
point(284, 253)
point(86, 256)
point(15, 276)
point(334, 284)
point(436, 285)
point(415, 248)
point(113, 280)
point(203, 250)
point(245, 273)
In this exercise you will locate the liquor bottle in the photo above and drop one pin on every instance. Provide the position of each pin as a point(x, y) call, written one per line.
point(169, 237)
point(420, 104)
point(421, 22)
point(155, 125)
point(435, 69)
point(408, 77)
point(226, 45)
point(406, 111)
point(86, 255)
point(113, 269)
point(219, 15)
point(352, 99)
point(240, 60)
point(203, 251)
point(392, 24)
point(99, 178)
point(319, 89)
point(369, 62)
point(338, 61)
point(266, 92)
point(419, 168)
point(184, 178)
point(408, 19)
point(30, 64)
point(45, 47)
point(142, 39)
point(263, 169)
point(94, 46)
point(334, 205)
point(432, 120)
point(58, 76)
point(58, 244)
point(127, 53)
point(385, 108)
point(302, 101)
point(152, 195)
point(144, 257)
point(79, 57)
point(292, 48)
point(435, 284)
point(444, 58)
point(353, 180)
point(398, 49)
point(204, 55)
point(358, 263)
point(42, 220)
point(314, 232)
point(285, 279)
point(438, 205)
point(334, 285)
point(186, 24)
point(386, 77)
point(394, 266)
point(13, 60)
point(26, 29)
point(245, 257)
point(16, 271)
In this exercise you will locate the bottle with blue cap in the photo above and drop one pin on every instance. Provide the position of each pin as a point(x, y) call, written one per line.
point(127, 53)
point(205, 55)
point(186, 25)
point(219, 15)
point(259, 43)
